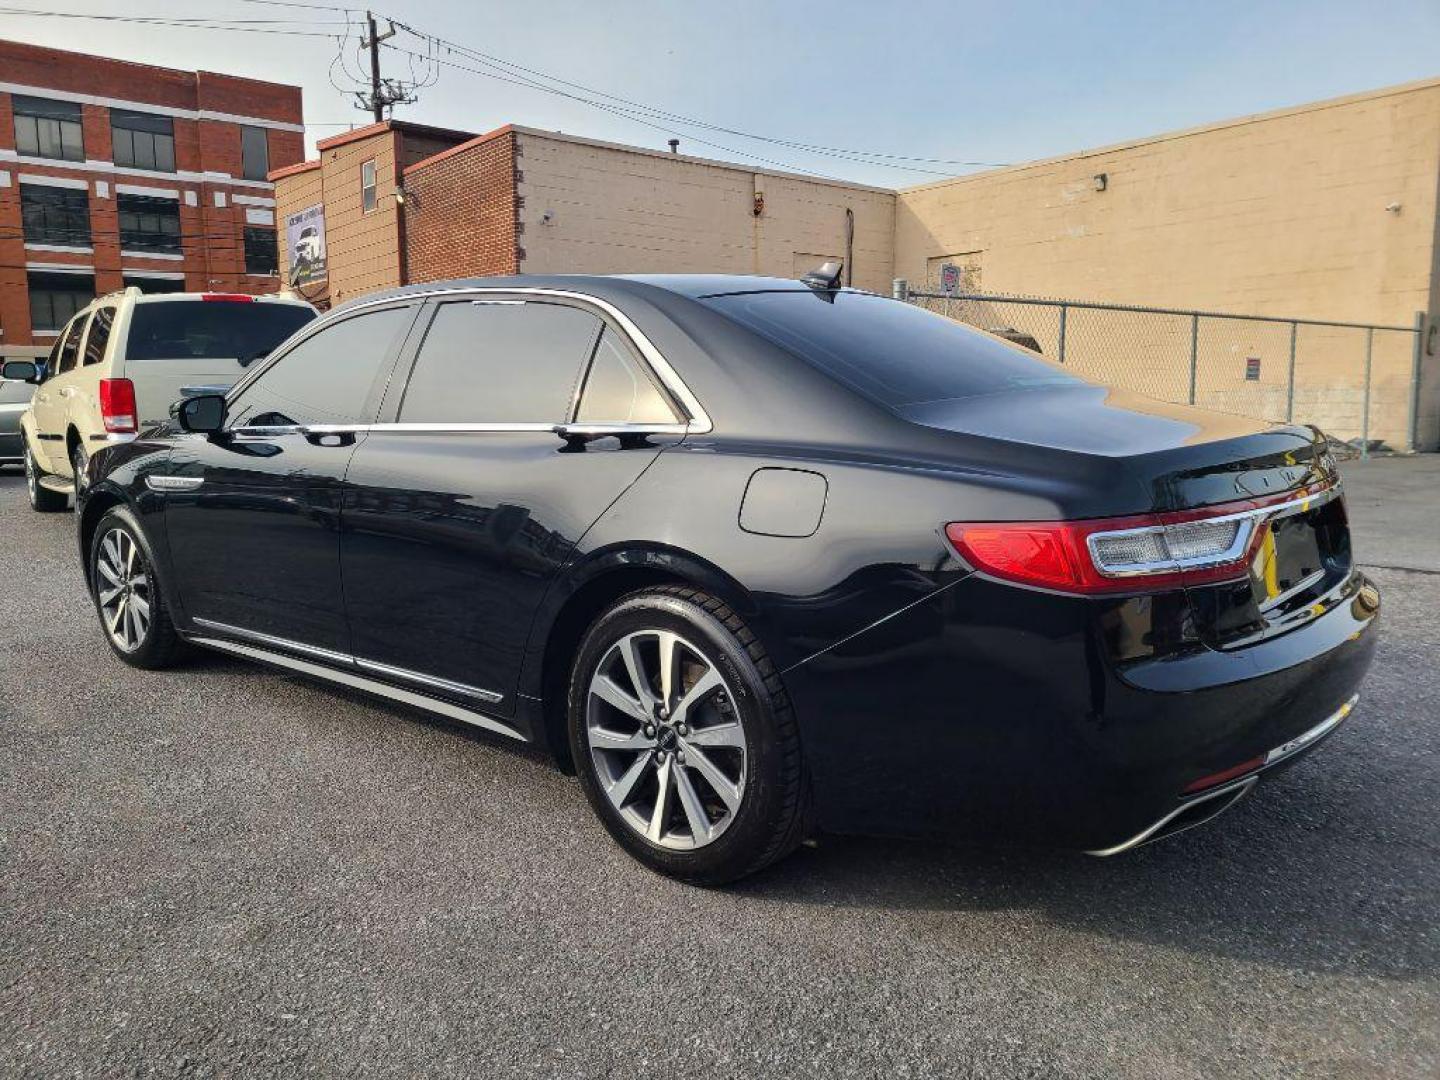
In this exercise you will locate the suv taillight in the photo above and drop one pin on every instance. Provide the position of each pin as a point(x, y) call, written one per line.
point(117, 405)
point(1143, 553)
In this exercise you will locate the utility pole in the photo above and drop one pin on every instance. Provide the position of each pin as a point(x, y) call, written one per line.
point(380, 97)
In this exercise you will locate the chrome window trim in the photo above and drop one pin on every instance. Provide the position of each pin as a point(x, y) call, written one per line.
point(563, 430)
point(698, 424)
point(1251, 519)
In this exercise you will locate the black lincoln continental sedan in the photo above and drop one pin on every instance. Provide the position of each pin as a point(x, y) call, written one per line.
point(754, 557)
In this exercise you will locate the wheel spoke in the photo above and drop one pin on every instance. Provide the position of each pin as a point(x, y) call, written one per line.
point(728, 791)
point(111, 549)
point(669, 668)
point(114, 623)
point(727, 734)
point(633, 664)
point(141, 607)
point(108, 570)
point(107, 596)
point(622, 788)
point(132, 627)
point(129, 555)
point(691, 804)
point(609, 691)
point(661, 812)
point(605, 739)
point(704, 685)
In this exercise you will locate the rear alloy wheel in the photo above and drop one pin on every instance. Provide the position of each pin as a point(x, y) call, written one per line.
point(127, 594)
point(42, 499)
point(684, 739)
point(79, 464)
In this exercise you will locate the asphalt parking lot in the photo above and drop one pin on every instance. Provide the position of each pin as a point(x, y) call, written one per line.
point(222, 869)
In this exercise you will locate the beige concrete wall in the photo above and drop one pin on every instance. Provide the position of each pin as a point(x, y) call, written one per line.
point(615, 209)
point(362, 249)
point(1281, 214)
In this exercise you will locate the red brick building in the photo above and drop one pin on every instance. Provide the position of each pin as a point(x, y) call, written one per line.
point(116, 174)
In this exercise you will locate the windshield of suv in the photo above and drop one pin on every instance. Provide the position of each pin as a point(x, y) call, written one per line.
point(211, 329)
point(888, 350)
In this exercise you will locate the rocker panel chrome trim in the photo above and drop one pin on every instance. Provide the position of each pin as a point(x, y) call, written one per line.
point(360, 682)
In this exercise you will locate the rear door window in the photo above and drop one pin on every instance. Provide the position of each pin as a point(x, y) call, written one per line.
point(211, 329)
point(99, 335)
point(70, 346)
point(328, 378)
point(500, 362)
point(888, 350)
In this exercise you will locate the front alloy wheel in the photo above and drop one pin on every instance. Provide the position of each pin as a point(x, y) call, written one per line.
point(123, 590)
point(129, 597)
point(666, 745)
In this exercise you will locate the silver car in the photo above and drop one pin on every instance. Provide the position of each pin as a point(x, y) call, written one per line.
point(14, 400)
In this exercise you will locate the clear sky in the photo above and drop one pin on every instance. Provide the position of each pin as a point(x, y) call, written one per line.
point(986, 82)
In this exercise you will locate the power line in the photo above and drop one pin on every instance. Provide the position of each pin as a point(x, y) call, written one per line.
point(236, 26)
point(858, 156)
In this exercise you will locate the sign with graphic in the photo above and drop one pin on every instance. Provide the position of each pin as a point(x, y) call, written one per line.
point(305, 240)
point(949, 279)
point(1252, 369)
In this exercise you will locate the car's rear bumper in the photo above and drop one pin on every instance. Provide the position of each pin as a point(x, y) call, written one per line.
point(971, 717)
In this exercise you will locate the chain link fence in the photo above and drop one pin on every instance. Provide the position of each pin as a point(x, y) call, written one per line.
point(1357, 382)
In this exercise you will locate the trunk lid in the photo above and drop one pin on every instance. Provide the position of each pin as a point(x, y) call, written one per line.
point(1183, 459)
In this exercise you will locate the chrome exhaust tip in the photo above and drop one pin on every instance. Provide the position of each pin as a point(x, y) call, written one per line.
point(1194, 811)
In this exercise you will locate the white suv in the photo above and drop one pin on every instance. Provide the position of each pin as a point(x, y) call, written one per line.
point(123, 360)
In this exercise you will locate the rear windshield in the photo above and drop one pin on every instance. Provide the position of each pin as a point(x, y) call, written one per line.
point(891, 351)
point(211, 329)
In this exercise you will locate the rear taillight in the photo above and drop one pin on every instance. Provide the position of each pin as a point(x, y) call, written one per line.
point(1143, 553)
point(228, 297)
point(117, 405)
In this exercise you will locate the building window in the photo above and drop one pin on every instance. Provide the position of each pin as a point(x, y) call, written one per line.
point(143, 140)
point(49, 129)
point(55, 215)
point(154, 285)
point(261, 255)
point(367, 185)
point(55, 298)
point(149, 224)
point(254, 153)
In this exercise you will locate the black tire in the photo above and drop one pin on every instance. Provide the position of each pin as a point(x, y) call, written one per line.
point(773, 810)
point(158, 646)
point(42, 499)
point(79, 463)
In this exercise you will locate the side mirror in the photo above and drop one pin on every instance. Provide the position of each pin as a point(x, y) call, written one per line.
point(204, 414)
point(21, 371)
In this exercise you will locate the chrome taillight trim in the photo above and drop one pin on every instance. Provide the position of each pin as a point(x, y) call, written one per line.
point(1249, 521)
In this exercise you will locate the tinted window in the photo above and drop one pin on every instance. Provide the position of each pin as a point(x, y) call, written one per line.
point(619, 389)
point(99, 335)
point(211, 329)
point(254, 153)
point(261, 255)
point(143, 140)
point(54, 298)
point(148, 224)
point(55, 215)
point(69, 346)
point(327, 378)
point(889, 350)
point(45, 128)
point(499, 363)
